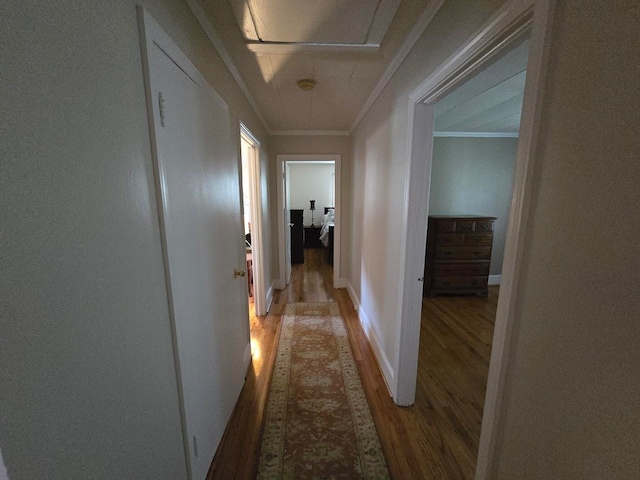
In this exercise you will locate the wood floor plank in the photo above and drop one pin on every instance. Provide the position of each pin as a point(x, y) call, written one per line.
point(437, 437)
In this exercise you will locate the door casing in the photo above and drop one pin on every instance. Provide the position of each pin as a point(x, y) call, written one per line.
point(507, 24)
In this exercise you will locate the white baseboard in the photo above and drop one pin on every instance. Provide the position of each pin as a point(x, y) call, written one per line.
point(342, 283)
point(270, 295)
point(495, 279)
point(352, 295)
point(383, 361)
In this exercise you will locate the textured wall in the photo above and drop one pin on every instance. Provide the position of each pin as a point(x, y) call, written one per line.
point(571, 406)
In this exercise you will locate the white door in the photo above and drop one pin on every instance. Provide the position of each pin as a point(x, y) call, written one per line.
point(200, 207)
point(287, 221)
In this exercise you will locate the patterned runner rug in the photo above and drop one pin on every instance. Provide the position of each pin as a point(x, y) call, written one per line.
point(318, 424)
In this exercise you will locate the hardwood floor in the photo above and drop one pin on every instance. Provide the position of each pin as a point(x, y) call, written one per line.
point(437, 438)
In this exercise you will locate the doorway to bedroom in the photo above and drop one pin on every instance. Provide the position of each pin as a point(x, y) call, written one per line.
point(475, 142)
point(309, 202)
point(252, 220)
point(312, 200)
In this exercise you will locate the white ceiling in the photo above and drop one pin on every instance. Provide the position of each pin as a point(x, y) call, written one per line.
point(345, 76)
point(490, 102)
point(350, 48)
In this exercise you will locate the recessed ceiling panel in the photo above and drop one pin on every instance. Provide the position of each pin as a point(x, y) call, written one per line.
point(344, 45)
point(308, 21)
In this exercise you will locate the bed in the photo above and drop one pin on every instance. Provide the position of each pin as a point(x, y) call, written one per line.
point(326, 232)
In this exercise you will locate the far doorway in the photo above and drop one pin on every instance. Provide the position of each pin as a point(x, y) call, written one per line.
point(252, 221)
point(309, 202)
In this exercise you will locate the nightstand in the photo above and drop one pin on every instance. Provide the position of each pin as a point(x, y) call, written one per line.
point(312, 237)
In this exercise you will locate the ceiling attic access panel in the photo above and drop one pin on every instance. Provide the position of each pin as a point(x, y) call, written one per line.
point(309, 22)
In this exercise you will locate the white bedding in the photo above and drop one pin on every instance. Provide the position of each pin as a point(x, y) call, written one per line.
point(324, 233)
point(327, 221)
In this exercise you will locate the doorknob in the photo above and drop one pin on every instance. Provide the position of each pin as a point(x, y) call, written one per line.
point(238, 273)
point(291, 224)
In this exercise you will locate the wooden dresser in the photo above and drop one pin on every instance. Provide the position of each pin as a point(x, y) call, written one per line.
point(458, 255)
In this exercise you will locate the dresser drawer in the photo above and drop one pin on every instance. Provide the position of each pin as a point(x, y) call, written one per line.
point(446, 283)
point(468, 269)
point(446, 226)
point(478, 239)
point(463, 226)
point(450, 239)
point(463, 253)
point(484, 226)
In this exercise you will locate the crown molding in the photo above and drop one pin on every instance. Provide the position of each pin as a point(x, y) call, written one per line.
point(477, 134)
point(417, 30)
point(216, 41)
point(341, 133)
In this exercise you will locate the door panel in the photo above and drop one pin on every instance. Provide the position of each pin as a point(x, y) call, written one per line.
point(200, 205)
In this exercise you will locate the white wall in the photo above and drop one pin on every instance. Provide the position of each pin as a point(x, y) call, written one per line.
point(312, 181)
point(378, 179)
point(571, 406)
point(88, 381)
point(474, 176)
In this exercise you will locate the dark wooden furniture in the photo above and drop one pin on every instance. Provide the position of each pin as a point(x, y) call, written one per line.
point(297, 236)
point(250, 273)
point(458, 255)
point(312, 237)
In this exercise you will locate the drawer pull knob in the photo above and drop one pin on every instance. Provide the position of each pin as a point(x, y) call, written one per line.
point(477, 252)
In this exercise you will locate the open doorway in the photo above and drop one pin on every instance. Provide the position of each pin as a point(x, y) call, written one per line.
point(252, 221)
point(510, 23)
point(475, 144)
point(309, 201)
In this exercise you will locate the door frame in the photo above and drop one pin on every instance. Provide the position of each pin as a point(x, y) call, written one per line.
point(281, 161)
point(256, 219)
point(508, 24)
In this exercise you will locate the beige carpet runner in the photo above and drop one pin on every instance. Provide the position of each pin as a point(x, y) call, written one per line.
point(318, 424)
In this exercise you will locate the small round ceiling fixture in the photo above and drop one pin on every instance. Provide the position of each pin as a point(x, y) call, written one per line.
point(306, 84)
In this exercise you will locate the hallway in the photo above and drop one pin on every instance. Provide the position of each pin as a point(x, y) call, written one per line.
point(435, 438)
